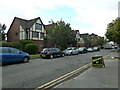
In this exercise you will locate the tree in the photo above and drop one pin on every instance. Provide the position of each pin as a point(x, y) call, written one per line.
point(59, 35)
point(2, 32)
point(113, 31)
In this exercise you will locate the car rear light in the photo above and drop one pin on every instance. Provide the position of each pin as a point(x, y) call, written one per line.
point(48, 52)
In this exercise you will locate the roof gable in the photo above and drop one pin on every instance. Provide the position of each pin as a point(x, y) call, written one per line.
point(27, 23)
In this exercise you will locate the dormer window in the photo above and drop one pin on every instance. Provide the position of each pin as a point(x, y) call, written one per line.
point(38, 26)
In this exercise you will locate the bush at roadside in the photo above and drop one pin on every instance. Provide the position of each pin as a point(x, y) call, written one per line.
point(31, 48)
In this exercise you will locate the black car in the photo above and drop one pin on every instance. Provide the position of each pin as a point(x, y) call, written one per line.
point(51, 53)
point(96, 48)
point(82, 50)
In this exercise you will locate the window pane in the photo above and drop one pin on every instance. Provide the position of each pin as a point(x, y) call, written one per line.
point(42, 35)
point(35, 34)
point(38, 26)
point(5, 50)
point(14, 51)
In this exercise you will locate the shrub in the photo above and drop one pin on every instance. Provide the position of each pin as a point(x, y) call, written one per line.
point(24, 43)
point(6, 44)
point(31, 48)
point(17, 45)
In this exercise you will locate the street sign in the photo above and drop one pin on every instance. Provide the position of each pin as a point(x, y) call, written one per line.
point(98, 61)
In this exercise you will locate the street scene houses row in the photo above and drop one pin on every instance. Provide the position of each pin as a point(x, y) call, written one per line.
point(34, 29)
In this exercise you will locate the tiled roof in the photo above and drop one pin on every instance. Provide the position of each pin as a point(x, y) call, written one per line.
point(27, 23)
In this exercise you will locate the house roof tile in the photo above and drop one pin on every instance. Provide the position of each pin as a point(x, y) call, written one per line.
point(27, 23)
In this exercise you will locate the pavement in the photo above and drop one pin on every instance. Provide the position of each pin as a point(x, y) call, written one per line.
point(96, 77)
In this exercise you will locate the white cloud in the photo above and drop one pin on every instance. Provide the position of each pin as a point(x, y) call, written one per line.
point(96, 12)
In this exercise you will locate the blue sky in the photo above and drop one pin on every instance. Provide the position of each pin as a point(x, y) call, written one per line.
point(64, 12)
point(87, 16)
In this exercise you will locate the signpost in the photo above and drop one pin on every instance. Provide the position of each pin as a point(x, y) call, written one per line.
point(98, 61)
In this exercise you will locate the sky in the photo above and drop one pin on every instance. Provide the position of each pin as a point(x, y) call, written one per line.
point(87, 16)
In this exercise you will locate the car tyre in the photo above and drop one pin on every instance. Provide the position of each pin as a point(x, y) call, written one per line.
point(70, 53)
point(25, 59)
point(51, 56)
point(63, 55)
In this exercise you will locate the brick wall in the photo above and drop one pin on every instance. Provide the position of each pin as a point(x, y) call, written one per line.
point(14, 32)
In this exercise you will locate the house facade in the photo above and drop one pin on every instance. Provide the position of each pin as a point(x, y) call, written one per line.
point(87, 39)
point(78, 38)
point(22, 29)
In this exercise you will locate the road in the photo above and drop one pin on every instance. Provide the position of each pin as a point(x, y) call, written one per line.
point(40, 71)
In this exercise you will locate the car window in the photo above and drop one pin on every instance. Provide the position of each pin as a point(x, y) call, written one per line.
point(4, 50)
point(75, 48)
point(53, 49)
point(46, 49)
point(81, 48)
point(58, 50)
point(14, 50)
point(69, 49)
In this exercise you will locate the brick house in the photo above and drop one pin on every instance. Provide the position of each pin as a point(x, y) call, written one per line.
point(22, 29)
point(78, 38)
point(87, 39)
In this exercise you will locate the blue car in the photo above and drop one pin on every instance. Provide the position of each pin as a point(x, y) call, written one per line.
point(10, 55)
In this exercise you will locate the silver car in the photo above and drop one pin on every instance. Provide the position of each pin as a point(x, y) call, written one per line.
point(71, 51)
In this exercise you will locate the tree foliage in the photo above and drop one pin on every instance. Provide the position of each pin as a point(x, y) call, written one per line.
point(59, 35)
point(2, 32)
point(113, 31)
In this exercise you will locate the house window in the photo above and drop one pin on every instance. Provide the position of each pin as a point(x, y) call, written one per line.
point(16, 34)
point(38, 26)
point(41, 35)
point(35, 34)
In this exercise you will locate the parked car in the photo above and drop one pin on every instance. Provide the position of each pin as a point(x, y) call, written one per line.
point(82, 50)
point(10, 55)
point(96, 48)
point(71, 51)
point(90, 50)
point(51, 53)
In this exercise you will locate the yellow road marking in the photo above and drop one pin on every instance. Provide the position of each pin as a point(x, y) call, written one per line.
point(55, 81)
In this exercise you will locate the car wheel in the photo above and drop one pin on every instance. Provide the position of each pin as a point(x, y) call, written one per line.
point(70, 53)
point(63, 55)
point(51, 56)
point(25, 59)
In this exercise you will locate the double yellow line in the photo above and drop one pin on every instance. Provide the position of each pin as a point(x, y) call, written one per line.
point(66, 76)
point(62, 78)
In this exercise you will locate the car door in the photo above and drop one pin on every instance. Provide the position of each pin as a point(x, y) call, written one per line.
point(6, 55)
point(58, 52)
point(15, 54)
point(75, 50)
point(53, 52)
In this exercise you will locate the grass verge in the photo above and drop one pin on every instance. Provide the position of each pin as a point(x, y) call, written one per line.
point(34, 56)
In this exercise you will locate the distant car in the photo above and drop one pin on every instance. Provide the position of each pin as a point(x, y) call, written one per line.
point(51, 53)
point(96, 48)
point(116, 47)
point(10, 55)
point(90, 50)
point(71, 51)
point(82, 50)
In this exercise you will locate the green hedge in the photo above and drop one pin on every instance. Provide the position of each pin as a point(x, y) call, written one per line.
point(6, 44)
point(24, 45)
point(31, 48)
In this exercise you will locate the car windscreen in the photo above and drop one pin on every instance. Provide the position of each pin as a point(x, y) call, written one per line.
point(81, 48)
point(46, 49)
point(69, 49)
point(95, 48)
